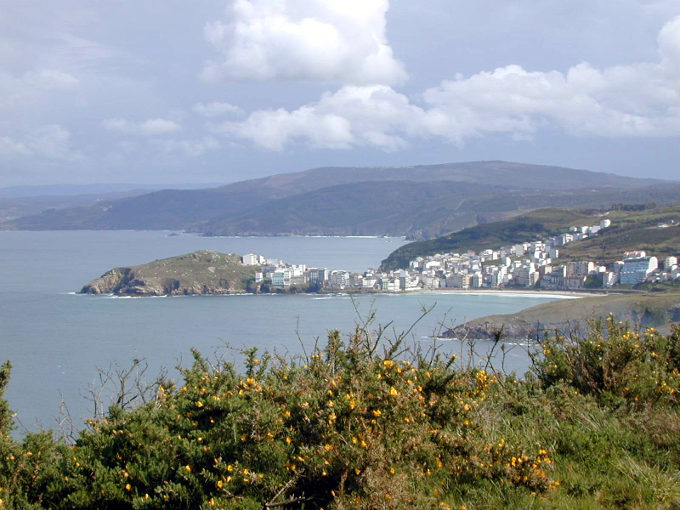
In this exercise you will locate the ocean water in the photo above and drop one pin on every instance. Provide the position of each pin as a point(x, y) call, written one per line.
point(57, 341)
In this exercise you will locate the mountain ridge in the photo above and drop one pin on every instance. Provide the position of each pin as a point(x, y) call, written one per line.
point(330, 193)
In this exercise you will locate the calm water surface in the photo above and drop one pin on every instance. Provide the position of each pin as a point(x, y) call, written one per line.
point(57, 340)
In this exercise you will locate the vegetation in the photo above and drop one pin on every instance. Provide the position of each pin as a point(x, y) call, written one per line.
point(655, 230)
point(595, 425)
point(200, 272)
point(633, 228)
point(527, 227)
point(657, 309)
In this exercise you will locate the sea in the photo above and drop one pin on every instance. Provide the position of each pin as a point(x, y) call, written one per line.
point(62, 344)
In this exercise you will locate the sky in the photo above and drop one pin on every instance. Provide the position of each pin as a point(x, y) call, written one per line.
point(215, 91)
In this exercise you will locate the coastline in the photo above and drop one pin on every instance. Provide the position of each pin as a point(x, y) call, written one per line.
point(562, 294)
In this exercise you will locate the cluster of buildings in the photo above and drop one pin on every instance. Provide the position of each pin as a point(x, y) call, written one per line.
point(531, 264)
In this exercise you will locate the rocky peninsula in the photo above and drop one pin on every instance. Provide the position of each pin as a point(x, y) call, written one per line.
point(200, 272)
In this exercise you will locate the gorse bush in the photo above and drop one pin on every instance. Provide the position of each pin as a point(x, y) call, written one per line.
point(614, 361)
point(345, 427)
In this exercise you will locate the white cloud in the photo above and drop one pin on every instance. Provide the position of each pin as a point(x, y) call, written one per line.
point(324, 40)
point(372, 115)
point(34, 87)
point(11, 147)
point(215, 109)
point(151, 127)
point(634, 100)
point(51, 141)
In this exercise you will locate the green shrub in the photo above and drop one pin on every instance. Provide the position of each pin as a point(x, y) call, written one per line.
point(347, 428)
point(615, 362)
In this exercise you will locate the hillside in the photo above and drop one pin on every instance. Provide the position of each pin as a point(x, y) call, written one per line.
point(533, 225)
point(330, 200)
point(656, 231)
point(12, 208)
point(571, 316)
point(201, 272)
point(653, 229)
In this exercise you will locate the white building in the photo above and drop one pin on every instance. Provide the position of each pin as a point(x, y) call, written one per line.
point(669, 262)
point(281, 277)
point(251, 259)
point(636, 269)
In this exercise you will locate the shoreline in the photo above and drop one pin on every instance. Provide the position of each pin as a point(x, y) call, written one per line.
point(558, 294)
point(567, 294)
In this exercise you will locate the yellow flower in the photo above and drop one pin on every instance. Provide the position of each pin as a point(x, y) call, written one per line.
point(393, 391)
point(128, 487)
point(187, 468)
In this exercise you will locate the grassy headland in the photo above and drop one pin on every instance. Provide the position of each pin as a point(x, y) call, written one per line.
point(658, 309)
point(201, 272)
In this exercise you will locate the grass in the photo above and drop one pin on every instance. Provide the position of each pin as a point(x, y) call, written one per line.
point(200, 272)
point(630, 230)
point(363, 424)
point(527, 227)
point(655, 309)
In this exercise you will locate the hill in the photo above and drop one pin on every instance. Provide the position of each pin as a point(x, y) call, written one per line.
point(419, 201)
point(645, 227)
point(656, 231)
point(572, 316)
point(201, 272)
point(533, 225)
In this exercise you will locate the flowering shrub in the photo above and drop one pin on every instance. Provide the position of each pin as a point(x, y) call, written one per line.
point(614, 361)
point(347, 428)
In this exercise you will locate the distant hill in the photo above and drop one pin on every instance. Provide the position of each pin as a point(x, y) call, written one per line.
point(418, 201)
point(65, 190)
point(12, 208)
point(630, 230)
point(19, 201)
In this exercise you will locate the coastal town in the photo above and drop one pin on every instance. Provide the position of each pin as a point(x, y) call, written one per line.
point(529, 265)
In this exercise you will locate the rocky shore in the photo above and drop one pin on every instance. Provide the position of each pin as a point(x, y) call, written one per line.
point(569, 317)
point(201, 272)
